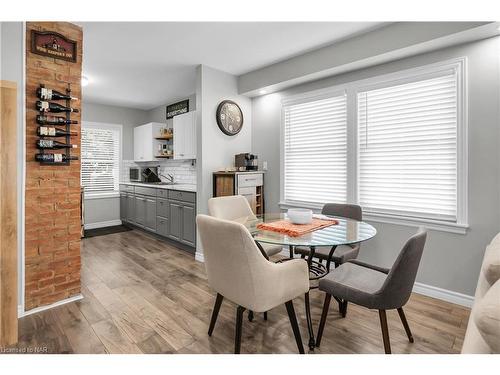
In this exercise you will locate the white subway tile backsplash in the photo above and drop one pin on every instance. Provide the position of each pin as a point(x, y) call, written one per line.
point(182, 170)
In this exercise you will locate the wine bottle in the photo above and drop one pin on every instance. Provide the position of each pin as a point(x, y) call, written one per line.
point(43, 106)
point(48, 94)
point(44, 131)
point(54, 158)
point(49, 143)
point(54, 120)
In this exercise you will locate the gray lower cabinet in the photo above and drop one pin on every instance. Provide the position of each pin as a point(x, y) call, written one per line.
point(162, 226)
point(123, 206)
point(175, 219)
point(189, 225)
point(168, 213)
point(150, 222)
point(140, 210)
point(130, 208)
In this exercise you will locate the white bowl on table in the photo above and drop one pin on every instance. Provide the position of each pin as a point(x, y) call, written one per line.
point(300, 215)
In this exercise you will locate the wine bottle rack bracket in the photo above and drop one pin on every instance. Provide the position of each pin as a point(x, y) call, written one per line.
point(68, 131)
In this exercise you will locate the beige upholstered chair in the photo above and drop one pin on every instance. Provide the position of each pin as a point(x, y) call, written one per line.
point(238, 271)
point(483, 330)
point(236, 207)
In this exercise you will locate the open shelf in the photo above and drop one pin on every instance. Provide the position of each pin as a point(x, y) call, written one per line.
point(165, 138)
point(164, 156)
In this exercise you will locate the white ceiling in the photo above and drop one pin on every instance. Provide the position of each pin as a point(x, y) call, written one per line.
point(147, 64)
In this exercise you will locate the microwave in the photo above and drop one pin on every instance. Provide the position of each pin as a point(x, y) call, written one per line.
point(134, 174)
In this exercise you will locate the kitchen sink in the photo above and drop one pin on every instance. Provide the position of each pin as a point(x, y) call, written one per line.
point(160, 183)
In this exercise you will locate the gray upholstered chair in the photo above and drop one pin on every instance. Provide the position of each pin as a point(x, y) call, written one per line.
point(376, 287)
point(342, 253)
point(235, 207)
point(238, 271)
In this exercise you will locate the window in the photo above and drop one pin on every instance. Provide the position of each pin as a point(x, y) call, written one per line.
point(408, 148)
point(315, 167)
point(101, 145)
point(407, 156)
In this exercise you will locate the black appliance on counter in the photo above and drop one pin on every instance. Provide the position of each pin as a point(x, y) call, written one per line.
point(246, 162)
point(150, 174)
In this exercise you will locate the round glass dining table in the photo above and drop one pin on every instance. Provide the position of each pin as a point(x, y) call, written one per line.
point(345, 232)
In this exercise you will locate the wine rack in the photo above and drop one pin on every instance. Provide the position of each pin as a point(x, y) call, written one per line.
point(67, 127)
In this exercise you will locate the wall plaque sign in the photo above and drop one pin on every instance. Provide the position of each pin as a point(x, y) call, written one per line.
point(52, 44)
point(177, 108)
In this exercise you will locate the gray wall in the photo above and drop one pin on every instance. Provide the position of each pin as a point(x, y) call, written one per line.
point(127, 117)
point(450, 261)
point(215, 150)
point(12, 57)
point(394, 41)
point(159, 114)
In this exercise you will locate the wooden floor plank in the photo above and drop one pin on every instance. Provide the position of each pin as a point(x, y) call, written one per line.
point(142, 295)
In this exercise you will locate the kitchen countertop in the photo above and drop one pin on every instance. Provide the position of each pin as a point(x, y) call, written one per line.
point(182, 187)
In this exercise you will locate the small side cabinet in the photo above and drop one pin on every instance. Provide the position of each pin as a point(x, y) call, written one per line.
point(248, 184)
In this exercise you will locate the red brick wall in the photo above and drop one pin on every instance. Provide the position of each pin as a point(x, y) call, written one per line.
point(52, 247)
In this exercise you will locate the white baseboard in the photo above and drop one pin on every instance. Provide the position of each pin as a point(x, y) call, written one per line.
point(199, 257)
point(102, 224)
point(444, 294)
point(430, 291)
point(22, 313)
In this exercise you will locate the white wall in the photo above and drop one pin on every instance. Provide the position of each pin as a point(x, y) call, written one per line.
point(450, 261)
point(12, 59)
point(215, 150)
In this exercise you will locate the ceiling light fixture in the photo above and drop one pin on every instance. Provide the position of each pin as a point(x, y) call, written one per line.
point(262, 92)
point(85, 81)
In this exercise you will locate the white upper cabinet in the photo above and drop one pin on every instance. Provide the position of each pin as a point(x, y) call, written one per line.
point(185, 136)
point(144, 141)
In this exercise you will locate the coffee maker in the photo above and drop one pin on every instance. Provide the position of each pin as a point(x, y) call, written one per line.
point(246, 162)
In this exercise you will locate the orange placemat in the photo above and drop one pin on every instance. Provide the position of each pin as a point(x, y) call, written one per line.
point(296, 230)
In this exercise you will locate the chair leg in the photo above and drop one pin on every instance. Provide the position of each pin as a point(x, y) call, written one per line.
point(303, 256)
point(250, 315)
point(265, 315)
point(295, 326)
point(239, 327)
point(344, 308)
point(324, 314)
point(405, 324)
point(215, 313)
point(385, 331)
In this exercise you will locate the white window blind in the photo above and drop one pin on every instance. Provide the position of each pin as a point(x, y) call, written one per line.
point(407, 148)
point(315, 150)
point(100, 159)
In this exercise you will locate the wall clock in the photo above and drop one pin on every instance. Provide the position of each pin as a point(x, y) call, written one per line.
point(229, 117)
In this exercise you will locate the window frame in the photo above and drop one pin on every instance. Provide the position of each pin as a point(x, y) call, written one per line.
point(392, 79)
point(106, 126)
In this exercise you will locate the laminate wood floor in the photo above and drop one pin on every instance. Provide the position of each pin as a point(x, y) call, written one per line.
point(142, 295)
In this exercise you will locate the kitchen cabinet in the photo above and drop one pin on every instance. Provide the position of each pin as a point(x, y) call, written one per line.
point(188, 224)
point(168, 213)
point(145, 144)
point(123, 206)
point(140, 210)
point(175, 214)
point(130, 209)
point(150, 222)
point(185, 136)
